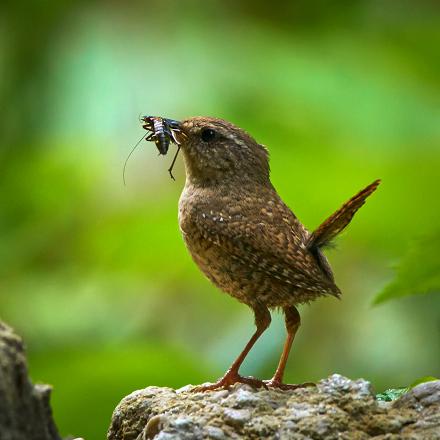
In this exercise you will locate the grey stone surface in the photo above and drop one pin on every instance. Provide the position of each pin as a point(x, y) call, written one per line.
point(337, 408)
point(25, 412)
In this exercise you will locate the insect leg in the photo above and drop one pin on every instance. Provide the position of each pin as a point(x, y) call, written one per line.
point(170, 169)
point(151, 137)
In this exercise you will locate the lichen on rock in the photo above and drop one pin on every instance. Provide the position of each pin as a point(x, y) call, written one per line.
point(337, 408)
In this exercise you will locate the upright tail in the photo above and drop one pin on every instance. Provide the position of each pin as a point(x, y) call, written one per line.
point(338, 221)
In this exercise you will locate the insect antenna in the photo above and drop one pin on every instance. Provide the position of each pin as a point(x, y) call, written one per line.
point(128, 157)
point(170, 169)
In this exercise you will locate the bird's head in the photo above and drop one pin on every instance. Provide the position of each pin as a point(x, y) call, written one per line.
point(216, 151)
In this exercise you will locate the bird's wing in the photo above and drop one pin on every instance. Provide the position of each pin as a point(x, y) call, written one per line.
point(268, 239)
point(338, 221)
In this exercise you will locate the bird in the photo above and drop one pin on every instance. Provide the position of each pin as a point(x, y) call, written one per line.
point(245, 239)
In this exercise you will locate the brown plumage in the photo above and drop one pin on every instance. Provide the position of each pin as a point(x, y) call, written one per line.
point(338, 221)
point(243, 236)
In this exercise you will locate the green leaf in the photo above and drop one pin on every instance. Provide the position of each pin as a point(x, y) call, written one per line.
point(422, 380)
point(418, 272)
point(394, 393)
point(391, 394)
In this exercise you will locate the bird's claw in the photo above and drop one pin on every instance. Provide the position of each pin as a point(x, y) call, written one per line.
point(228, 380)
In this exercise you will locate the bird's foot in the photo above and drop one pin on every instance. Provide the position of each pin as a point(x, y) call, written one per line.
point(229, 379)
point(274, 383)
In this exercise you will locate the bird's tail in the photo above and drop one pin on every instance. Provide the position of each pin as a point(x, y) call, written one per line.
point(338, 221)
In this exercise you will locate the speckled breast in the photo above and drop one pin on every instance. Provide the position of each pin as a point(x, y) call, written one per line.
point(209, 257)
point(198, 212)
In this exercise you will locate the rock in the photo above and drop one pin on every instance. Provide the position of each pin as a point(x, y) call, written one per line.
point(337, 408)
point(236, 417)
point(25, 412)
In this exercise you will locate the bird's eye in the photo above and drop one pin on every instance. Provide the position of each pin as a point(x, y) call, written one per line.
point(208, 134)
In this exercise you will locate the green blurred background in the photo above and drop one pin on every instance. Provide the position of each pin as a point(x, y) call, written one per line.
point(95, 275)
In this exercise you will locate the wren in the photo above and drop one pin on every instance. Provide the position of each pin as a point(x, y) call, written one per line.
point(245, 239)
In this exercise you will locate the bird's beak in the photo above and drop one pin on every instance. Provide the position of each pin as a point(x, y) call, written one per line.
point(176, 127)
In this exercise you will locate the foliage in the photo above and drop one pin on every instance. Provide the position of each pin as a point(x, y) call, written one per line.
point(394, 393)
point(391, 394)
point(418, 272)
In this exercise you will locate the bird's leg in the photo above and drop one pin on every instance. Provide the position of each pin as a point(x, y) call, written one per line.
point(262, 321)
point(293, 321)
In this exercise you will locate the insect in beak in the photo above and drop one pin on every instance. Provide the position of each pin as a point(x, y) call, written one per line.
point(174, 127)
point(162, 133)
